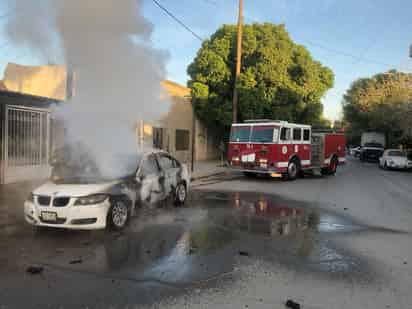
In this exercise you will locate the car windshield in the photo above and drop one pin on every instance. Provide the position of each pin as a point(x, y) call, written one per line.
point(373, 145)
point(240, 134)
point(396, 153)
point(264, 134)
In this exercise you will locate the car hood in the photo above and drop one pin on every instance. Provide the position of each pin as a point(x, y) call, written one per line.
point(73, 190)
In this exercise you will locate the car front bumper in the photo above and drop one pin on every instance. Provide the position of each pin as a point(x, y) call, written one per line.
point(399, 166)
point(90, 217)
point(259, 170)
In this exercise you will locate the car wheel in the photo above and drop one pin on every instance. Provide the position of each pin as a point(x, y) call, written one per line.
point(119, 213)
point(293, 170)
point(180, 194)
point(333, 166)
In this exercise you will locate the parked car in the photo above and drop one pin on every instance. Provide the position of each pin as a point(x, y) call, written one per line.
point(86, 200)
point(355, 151)
point(395, 159)
point(371, 152)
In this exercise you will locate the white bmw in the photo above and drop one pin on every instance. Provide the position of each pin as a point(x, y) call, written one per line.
point(86, 201)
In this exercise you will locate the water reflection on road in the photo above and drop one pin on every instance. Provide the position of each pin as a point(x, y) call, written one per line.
point(197, 242)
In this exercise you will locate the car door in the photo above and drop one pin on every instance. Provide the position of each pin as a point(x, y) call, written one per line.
point(170, 169)
point(151, 180)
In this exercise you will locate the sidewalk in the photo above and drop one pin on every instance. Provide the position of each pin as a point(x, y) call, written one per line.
point(203, 169)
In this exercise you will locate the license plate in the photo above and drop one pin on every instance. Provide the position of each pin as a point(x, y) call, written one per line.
point(49, 216)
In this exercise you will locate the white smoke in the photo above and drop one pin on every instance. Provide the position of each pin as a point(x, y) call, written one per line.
point(117, 73)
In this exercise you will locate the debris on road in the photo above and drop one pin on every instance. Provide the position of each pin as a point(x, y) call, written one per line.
point(77, 261)
point(345, 208)
point(291, 304)
point(34, 270)
point(243, 253)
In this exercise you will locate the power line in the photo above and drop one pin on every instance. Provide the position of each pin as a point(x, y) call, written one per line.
point(178, 20)
point(356, 57)
point(346, 54)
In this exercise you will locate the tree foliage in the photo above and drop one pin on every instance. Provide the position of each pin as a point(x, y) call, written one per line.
point(279, 79)
point(380, 103)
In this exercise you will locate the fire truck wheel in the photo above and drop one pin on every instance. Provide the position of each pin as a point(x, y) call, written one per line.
point(331, 169)
point(293, 170)
point(333, 166)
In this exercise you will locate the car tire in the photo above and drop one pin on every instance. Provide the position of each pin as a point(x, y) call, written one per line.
point(333, 166)
point(119, 213)
point(250, 174)
point(180, 195)
point(293, 170)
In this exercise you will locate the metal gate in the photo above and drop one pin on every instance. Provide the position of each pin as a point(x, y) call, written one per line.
point(27, 143)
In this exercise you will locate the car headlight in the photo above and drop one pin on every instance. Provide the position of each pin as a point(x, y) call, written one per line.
point(91, 199)
point(31, 197)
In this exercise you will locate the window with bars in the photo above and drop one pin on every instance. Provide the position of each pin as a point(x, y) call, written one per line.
point(27, 137)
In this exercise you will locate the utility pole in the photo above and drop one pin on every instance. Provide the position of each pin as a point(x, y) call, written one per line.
point(238, 60)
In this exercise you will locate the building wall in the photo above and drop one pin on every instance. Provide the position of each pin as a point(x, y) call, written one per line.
point(179, 117)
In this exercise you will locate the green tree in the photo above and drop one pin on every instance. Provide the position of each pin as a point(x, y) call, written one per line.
point(279, 79)
point(379, 103)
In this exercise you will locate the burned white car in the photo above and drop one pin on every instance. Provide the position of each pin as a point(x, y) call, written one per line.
point(85, 200)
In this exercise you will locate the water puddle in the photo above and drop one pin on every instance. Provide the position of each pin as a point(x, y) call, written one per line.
point(210, 236)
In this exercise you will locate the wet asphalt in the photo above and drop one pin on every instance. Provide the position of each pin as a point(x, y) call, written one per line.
point(166, 252)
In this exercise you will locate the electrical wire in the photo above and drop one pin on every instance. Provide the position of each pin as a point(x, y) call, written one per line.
point(356, 57)
point(178, 20)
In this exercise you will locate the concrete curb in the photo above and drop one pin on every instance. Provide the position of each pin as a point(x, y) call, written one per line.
point(194, 178)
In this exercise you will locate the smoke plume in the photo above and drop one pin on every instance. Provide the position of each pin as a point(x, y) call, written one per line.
point(106, 43)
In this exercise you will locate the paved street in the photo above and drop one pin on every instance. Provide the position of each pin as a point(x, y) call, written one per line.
point(326, 242)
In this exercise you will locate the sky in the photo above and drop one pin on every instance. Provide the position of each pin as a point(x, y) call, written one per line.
point(355, 38)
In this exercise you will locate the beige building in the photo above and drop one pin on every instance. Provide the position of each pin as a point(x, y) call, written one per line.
point(173, 132)
point(48, 81)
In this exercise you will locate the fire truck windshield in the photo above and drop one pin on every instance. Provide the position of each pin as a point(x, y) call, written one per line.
point(240, 134)
point(264, 134)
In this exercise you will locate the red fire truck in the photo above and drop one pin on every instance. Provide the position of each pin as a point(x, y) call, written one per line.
point(283, 148)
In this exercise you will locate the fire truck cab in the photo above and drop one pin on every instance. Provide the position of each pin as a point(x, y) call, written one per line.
point(283, 148)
